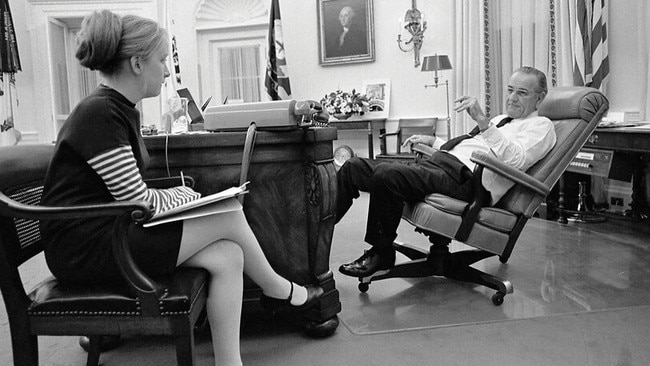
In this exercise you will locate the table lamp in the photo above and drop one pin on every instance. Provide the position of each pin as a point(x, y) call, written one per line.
point(437, 63)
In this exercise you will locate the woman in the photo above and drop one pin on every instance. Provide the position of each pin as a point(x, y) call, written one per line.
point(100, 157)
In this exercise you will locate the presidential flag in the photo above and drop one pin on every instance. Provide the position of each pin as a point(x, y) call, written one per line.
point(176, 62)
point(277, 78)
point(591, 64)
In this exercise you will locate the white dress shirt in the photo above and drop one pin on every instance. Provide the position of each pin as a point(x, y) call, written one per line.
point(520, 144)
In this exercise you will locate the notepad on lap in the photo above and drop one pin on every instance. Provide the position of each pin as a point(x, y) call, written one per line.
point(209, 205)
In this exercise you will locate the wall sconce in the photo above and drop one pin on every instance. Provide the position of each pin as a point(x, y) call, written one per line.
point(416, 25)
point(437, 63)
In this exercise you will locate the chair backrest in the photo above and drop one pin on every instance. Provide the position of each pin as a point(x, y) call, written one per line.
point(417, 126)
point(407, 127)
point(575, 113)
point(22, 173)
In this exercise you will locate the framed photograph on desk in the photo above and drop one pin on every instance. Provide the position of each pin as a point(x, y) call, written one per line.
point(378, 93)
point(345, 32)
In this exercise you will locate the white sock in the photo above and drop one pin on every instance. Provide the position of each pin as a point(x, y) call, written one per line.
point(299, 296)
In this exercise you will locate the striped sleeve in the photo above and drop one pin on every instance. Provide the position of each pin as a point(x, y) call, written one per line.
point(120, 173)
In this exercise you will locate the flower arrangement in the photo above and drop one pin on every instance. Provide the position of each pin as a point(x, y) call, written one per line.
point(7, 124)
point(340, 103)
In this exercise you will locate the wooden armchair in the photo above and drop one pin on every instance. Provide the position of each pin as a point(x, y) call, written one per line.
point(406, 128)
point(143, 306)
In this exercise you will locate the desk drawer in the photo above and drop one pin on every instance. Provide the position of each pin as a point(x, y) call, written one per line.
point(592, 162)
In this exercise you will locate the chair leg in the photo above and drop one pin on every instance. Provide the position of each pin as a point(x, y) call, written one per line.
point(94, 350)
point(457, 266)
point(185, 349)
point(412, 252)
point(24, 348)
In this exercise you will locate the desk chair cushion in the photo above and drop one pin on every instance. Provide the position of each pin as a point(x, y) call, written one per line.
point(53, 298)
point(495, 218)
point(445, 214)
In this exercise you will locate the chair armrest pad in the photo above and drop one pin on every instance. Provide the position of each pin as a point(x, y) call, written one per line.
point(389, 134)
point(509, 172)
point(424, 150)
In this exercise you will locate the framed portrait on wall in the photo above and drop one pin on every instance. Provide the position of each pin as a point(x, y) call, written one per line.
point(345, 32)
point(378, 94)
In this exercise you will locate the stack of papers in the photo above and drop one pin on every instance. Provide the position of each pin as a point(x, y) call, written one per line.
point(209, 205)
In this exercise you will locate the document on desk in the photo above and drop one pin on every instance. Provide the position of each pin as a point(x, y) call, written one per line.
point(216, 203)
point(612, 124)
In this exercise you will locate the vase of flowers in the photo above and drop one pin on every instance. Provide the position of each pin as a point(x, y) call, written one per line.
point(342, 105)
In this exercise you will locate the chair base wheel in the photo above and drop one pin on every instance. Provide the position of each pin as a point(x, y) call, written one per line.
point(363, 287)
point(497, 298)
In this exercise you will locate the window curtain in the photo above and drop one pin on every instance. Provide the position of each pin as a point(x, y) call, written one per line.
point(495, 37)
point(644, 42)
point(470, 63)
point(565, 13)
point(240, 73)
point(518, 34)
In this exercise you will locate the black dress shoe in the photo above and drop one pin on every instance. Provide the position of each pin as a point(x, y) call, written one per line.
point(314, 293)
point(369, 263)
point(107, 342)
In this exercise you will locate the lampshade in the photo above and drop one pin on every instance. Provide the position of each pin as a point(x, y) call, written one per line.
point(436, 63)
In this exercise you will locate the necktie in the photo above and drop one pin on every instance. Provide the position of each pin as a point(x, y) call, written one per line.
point(456, 140)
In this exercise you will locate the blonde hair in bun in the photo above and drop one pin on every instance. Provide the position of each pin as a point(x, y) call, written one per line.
point(105, 39)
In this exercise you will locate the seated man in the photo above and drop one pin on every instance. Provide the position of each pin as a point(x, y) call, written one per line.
point(519, 139)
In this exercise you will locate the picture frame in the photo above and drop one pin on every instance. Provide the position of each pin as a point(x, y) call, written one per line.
point(357, 44)
point(378, 93)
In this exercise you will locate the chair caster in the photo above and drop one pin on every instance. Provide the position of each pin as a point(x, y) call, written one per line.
point(364, 286)
point(497, 298)
point(321, 330)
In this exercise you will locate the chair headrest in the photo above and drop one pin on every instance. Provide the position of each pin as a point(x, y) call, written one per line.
point(571, 102)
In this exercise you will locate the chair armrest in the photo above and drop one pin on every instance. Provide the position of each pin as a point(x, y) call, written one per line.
point(511, 173)
point(125, 213)
point(423, 150)
point(382, 135)
point(138, 211)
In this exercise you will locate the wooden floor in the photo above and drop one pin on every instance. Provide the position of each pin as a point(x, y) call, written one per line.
point(582, 297)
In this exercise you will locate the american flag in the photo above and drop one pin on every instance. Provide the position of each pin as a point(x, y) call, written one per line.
point(277, 79)
point(591, 62)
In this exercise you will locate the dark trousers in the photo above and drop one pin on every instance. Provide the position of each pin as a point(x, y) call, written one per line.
point(391, 185)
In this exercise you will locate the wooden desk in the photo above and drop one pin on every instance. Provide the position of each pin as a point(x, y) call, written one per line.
point(631, 139)
point(360, 123)
point(290, 206)
point(625, 139)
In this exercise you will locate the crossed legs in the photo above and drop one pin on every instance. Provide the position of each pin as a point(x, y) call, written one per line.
point(226, 247)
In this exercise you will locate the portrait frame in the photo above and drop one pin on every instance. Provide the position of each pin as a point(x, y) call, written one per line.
point(378, 93)
point(359, 43)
